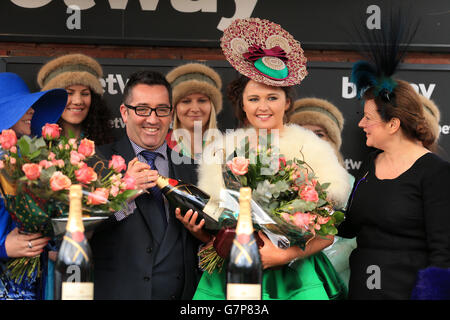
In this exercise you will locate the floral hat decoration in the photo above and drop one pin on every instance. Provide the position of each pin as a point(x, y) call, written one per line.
point(264, 52)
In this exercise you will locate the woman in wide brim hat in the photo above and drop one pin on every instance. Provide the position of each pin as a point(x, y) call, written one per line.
point(26, 113)
point(86, 114)
point(197, 100)
point(16, 100)
point(271, 61)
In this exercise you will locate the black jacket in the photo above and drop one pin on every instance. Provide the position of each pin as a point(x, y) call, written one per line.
point(128, 263)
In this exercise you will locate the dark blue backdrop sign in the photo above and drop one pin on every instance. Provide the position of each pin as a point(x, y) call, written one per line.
point(325, 80)
point(318, 24)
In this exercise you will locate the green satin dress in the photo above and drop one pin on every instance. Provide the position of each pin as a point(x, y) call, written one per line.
point(313, 278)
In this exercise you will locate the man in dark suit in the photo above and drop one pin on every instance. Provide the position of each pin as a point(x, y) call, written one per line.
point(146, 253)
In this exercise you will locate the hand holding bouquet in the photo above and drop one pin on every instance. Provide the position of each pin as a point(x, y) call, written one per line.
point(289, 204)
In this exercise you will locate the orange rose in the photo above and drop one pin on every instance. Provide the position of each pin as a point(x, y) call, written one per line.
point(32, 170)
point(87, 147)
point(59, 181)
point(51, 131)
point(8, 139)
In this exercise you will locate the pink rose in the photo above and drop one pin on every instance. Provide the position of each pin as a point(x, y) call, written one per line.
point(45, 164)
point(32, 170)
point(286, 216)
point(99, 196)
point(59, 181)
point(117, 163)
point(51, 131)
point(114, 191)
point(239, 165)
point(130, 182)
point(8, 139)
point(85, 174)
point(303, 220)
point(309, 193)
point(76, 158)
point(87, 147)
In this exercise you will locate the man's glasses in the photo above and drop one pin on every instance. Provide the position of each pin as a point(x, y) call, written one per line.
point(147, 111)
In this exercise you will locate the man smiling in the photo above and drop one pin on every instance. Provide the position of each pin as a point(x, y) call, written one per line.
point(146, 253)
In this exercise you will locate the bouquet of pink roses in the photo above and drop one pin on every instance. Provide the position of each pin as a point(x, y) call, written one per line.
point(36, 176)
point(288, 202)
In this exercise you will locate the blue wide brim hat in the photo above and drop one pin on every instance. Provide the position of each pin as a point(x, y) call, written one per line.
point(16, 99)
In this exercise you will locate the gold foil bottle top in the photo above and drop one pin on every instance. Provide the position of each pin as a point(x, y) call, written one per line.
point(245, 193)
point(162, 181)
point(245, 224)
point(75, 222)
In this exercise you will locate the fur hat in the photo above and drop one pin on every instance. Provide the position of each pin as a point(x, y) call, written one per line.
point(319, 112)
point(432, 115)
point(71, 69)
point(196, 78)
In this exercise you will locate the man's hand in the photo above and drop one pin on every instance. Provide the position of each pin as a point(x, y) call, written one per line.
point(189, 222)
point(145, 177)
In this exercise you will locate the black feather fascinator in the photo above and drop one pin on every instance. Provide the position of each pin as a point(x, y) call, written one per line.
point(383, 49)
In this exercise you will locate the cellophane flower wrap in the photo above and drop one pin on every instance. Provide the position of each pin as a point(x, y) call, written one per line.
point(37, 174)
point(289, 204)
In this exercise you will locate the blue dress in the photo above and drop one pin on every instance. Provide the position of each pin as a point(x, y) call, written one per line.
point(9, 290)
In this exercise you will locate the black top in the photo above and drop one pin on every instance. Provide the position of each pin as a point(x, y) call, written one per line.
point(402, 226)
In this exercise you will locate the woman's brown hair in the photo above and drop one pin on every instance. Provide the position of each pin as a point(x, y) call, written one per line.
point(404, 103)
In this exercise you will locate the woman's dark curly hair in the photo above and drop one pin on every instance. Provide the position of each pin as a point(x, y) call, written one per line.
point(235, 93)
point(96, 126)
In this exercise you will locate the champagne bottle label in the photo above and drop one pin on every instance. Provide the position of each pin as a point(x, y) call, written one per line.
point(238, 291)
point(77, 291)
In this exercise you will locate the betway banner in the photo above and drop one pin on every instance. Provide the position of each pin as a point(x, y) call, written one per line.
point(329, 81)
point(318, 24)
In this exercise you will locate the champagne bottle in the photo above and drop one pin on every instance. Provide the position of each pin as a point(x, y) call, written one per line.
point(73, 267)
point(244, 273)
point(187, 196)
